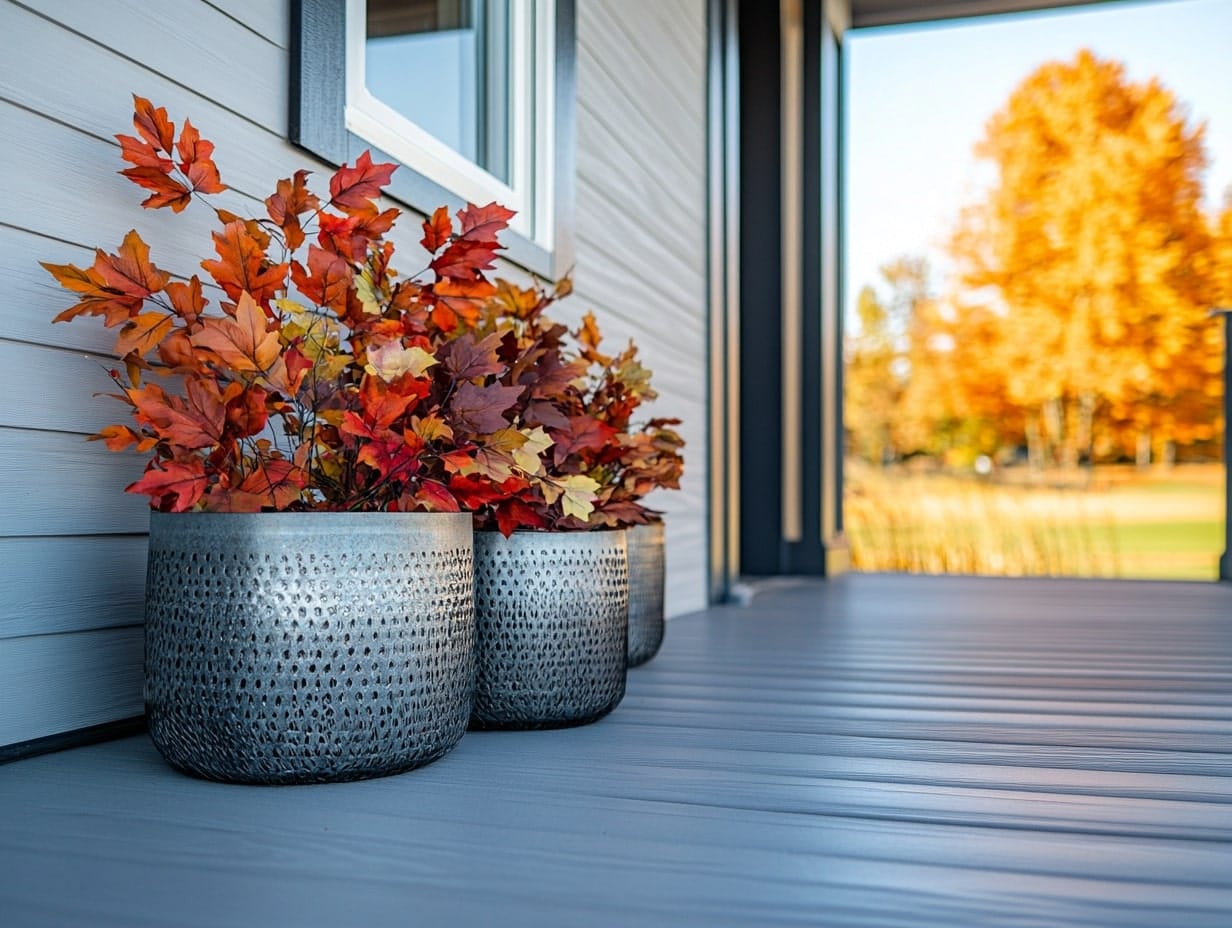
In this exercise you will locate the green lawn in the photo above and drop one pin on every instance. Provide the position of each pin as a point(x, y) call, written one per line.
point(1116, 522)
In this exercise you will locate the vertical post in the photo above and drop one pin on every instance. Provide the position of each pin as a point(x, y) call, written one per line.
point(723, 385)
point(1225, 562)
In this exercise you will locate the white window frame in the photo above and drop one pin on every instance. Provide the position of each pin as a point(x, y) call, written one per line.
point(532, 57)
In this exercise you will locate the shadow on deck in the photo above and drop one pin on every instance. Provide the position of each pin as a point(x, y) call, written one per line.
point(878, 750)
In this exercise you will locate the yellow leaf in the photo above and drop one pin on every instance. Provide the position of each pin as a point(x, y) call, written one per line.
point(430, 428)
point(369, 296)
point(526, 457)
point(578, 497)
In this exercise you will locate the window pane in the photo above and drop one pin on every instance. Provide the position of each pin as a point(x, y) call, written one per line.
point(444, 65)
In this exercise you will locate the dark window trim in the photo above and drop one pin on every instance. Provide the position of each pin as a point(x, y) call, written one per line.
point(317, 123)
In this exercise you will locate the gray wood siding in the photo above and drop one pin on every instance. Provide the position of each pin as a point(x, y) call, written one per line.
point(641, 230)
point(72, 544)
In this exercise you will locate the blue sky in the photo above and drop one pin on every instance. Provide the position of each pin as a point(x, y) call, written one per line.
point(918, 99)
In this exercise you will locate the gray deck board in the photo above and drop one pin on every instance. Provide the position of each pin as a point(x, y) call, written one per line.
point(878, 750)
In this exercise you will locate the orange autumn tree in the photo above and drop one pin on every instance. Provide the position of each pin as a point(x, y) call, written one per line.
point(1090, 241)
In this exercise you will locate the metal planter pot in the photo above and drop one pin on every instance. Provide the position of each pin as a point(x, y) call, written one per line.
point(646, 582)
point(551, 615)
point(308, 647)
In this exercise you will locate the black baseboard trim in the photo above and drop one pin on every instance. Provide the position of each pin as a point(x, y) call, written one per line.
point(72, 739)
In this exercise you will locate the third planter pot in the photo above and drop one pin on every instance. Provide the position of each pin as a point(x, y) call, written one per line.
point(646, 580)
point(551, 613)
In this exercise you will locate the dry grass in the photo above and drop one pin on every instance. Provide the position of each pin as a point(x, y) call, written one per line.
point(1113, 523)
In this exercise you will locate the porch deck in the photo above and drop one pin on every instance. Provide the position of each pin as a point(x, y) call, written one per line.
point(878, 750)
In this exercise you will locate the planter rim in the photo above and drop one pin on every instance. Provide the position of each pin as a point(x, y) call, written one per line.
point(369, 521)
point(555, 531)
point(256, 525)
point(315, 513)
point(580, 540)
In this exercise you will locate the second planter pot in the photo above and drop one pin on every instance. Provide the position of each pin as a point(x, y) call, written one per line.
point(551, 613)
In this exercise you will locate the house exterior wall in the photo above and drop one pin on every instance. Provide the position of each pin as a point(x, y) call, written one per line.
point(640, 240)
point(72, 546)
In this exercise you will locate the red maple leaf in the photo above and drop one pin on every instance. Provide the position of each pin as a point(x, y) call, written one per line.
point(513, 514)
point(327, 279)
point(438, 230)
point(484, 223)
point(352, 188)
point(585, 433)
point(175, 487)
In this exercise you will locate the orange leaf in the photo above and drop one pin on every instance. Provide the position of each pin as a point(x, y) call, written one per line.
point(73, 278)
point(382, 404)
point(242, 265)
point(443, 317)
point(277, 482)
point(336, 234)
point(177, 352)
point(143, 332)
point(588, 334)
point(196, 162)
point(245, 343)
point(152, 124)
point(129, 271)
point(438, 230)
point(175, 488)
point(186, 299)
point(291, 200)
point(435, 497)
point(167, 190)
point(142, 154)
point(97, 299)
point(115, 286)
point(327, 279)
point(116, 437)
point(196, 420)
point(351, 188)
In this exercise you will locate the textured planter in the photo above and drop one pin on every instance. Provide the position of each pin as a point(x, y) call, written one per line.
point(308, 647)
point(646, 581)
point(551, 616)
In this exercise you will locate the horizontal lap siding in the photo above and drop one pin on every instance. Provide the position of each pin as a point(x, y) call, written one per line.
point(641, 229)
point(72, 543)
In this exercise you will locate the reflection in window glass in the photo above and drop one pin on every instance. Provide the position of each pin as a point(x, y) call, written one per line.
point(444, 65)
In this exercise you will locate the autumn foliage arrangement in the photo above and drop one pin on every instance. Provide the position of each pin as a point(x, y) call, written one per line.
point(576, 407)
point(303, 372)
point(326, 381)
